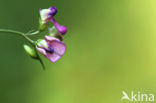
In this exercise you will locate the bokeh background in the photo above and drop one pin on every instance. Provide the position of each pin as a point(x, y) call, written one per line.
point(111, 47)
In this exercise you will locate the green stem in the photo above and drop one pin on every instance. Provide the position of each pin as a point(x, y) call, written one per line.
point(19, 33)
point(36, 32)
point(27, 38)
point(33, 33)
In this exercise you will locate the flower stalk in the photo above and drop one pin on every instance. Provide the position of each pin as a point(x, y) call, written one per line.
point(18, 33)
point(28, 39)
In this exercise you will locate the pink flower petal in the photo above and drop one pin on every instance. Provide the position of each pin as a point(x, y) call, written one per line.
point(53, 57)
point(59, 47)
point(42, 51)
point(49, 38)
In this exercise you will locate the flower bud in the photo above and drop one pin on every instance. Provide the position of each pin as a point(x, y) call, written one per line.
point(53, 32)
point(30, 51)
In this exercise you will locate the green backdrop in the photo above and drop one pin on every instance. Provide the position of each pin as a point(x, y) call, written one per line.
point(111, 47)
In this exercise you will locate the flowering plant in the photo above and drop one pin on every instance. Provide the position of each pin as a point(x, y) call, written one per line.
point(52, 46)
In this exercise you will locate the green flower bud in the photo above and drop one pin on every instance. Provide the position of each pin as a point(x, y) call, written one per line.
point(30, 51)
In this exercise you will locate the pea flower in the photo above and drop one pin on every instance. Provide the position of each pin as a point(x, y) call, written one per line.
point(47, 14)
point(52, 48)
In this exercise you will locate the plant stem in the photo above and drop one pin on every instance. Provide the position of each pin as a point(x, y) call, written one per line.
point(36, 32)
point(27, 38)
point(33, 33)
point(19, 33)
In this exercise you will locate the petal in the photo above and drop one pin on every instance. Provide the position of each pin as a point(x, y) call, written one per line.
point(53, 57)
point(60, 28)
point(53, 11)
point(49, 38)
point(59, 47)
point(44, 14)
point(42, 51)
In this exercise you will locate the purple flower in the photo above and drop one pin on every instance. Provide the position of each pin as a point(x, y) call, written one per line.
point(47, 14)
point(60, 28)
point(52, 48)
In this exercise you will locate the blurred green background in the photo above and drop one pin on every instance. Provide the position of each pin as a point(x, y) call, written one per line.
point(111, 47)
